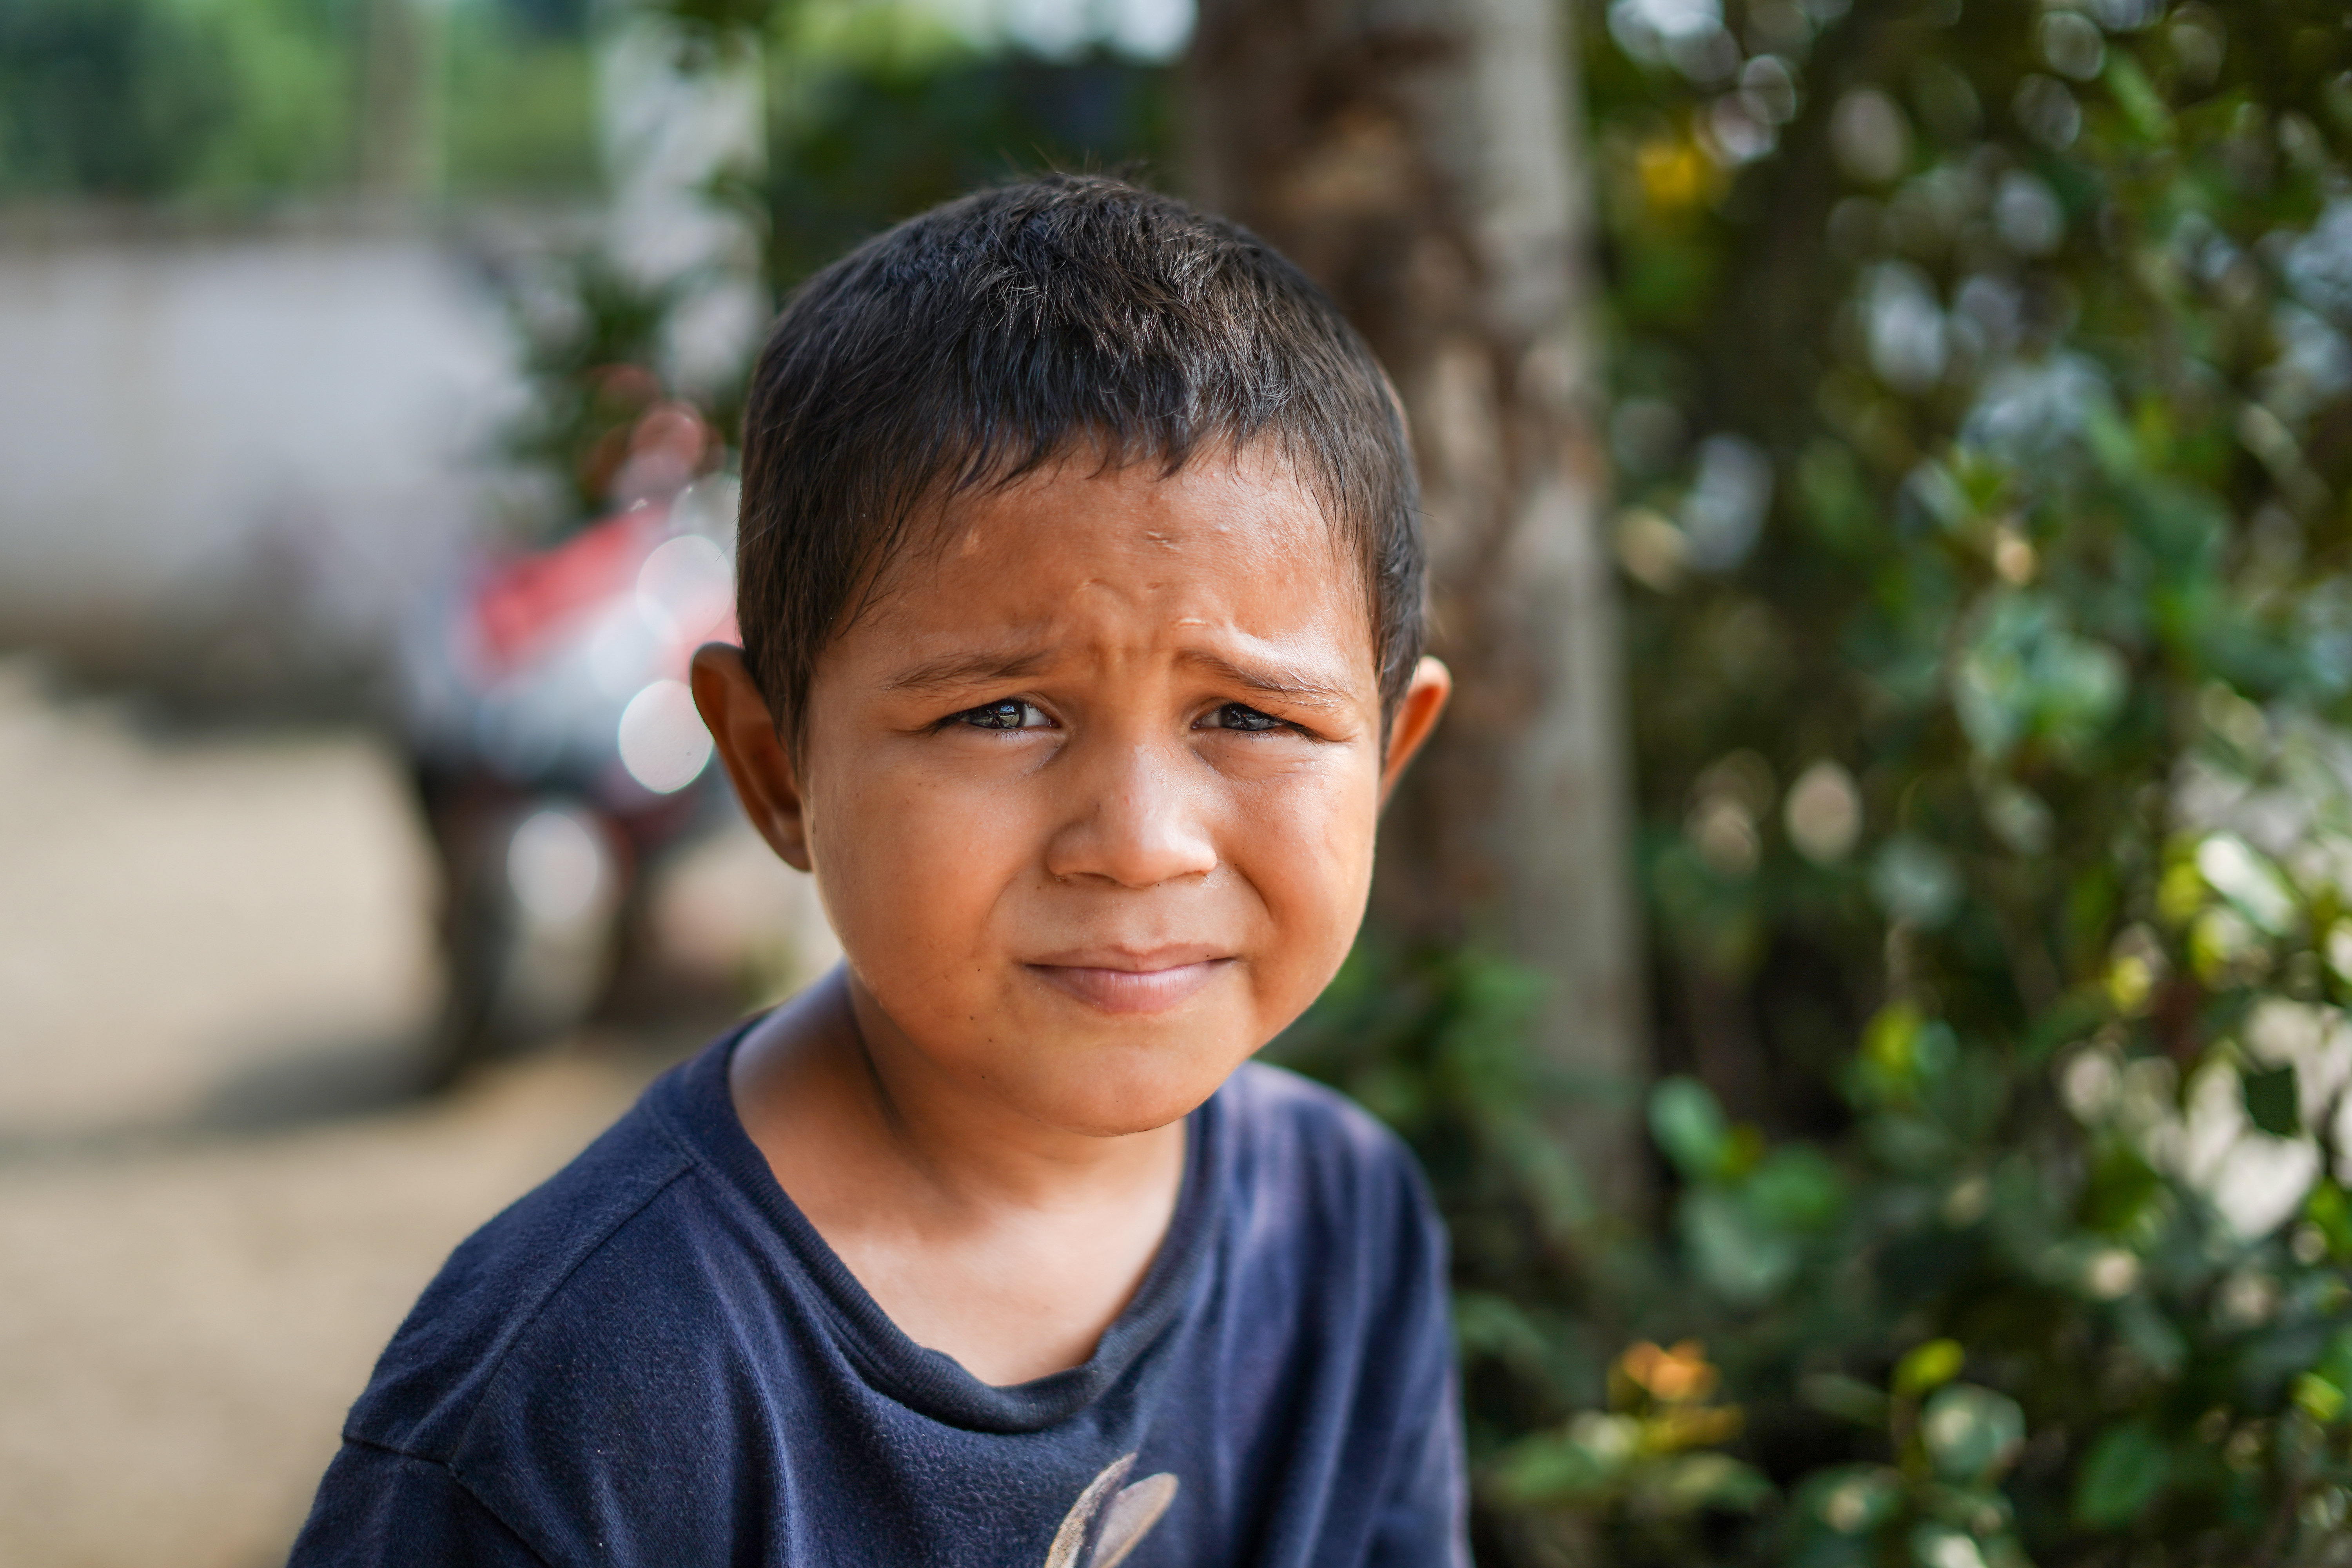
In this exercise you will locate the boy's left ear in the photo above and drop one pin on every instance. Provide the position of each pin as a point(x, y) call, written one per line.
point(1416, 715)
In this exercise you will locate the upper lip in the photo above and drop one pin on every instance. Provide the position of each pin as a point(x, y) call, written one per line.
point(1138, 959)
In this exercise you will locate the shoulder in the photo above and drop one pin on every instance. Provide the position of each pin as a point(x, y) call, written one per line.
point(1300, 1149)
point(1268, 1102)
point(624, 1211)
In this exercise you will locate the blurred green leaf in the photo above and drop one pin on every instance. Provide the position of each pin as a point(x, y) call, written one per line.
point(1797, 1188)
point(1738, 1256)
point(1847, 1398)
point(1692, 1481)
point(2125, 1468)
point(2121, 1186)
point(1690, 1127)
point(2329, 1211)
point(1928, 1366)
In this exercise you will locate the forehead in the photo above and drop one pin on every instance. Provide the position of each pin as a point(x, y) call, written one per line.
point(1227, 546)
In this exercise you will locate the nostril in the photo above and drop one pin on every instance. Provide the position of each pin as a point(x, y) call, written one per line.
point(1130, 856)
point(1139, 826)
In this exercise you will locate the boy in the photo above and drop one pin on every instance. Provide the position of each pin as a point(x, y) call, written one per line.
point(1080, 603)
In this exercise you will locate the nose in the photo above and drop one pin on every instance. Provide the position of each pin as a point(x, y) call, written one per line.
point(1135, 821)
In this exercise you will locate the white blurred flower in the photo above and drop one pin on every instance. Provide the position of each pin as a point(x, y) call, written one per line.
point(1914, 882)
point(2110, 1273)
point(1870, 136)
point(2246, 1298)
point(2317, 1041)
point(2234, 870)
point(2090, 1084)
point(1688, 35)
point(1139, 30)
point(2263, 1181)
point(1824, 812)
point(1905, 327)
point(1768, 86)
point(2072, 45)
point(1724, 512)
point(2257, 1182)
point(1737, 135)
point(2027, 213)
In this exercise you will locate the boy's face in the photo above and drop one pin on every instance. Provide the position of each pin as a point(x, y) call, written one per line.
point(1090, 790)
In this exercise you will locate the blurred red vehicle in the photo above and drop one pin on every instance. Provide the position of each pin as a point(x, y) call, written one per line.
point(555, 744)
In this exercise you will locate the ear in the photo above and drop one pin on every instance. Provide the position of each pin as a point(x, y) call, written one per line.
point(1417, 716)
point(757, 763)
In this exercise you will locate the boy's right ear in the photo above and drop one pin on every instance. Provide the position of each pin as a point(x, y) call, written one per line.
point(757, 762)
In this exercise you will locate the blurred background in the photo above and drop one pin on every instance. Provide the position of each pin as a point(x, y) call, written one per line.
point(1863, 962)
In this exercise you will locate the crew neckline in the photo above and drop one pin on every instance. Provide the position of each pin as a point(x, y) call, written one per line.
point(702, 1109)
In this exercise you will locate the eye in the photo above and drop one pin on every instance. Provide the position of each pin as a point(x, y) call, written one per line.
point(1010, 714)
point(1238, 716)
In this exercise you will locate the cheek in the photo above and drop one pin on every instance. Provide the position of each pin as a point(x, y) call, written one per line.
point(909, 867)
point(1308, 853)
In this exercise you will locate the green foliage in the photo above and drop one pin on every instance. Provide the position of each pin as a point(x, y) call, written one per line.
point(244, 102)
point(518, 95)
point(112, 98)
point(879, 113)
point(1984, 409)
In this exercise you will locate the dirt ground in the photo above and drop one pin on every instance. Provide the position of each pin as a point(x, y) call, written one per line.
point(215, 1204)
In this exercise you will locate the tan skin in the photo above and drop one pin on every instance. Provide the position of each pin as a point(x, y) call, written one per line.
point(1089, 795)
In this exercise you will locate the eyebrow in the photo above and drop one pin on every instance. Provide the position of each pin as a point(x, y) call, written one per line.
point(968, 670)
point(1290, 684)
point(957, 670)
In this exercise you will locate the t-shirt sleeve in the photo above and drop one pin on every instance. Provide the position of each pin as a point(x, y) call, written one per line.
point(1423, 1521)
point(376, 1509)
point(1423, 1517)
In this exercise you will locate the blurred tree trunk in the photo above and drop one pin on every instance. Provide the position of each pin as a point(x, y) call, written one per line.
point(1420, 158)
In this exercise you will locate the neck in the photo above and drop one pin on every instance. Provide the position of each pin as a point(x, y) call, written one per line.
point(848, 1080)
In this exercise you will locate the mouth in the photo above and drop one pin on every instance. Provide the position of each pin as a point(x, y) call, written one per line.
point(1118, 983)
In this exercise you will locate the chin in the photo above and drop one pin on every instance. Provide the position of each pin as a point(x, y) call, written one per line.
point(1112, 1091)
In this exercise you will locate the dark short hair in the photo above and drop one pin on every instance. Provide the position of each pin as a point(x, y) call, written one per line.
point(1004, 331)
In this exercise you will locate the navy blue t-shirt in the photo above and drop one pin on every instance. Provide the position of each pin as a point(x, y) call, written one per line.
point(654, 1361)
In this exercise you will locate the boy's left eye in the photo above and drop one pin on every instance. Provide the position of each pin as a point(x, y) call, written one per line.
point(1008, 714)
point(1238, 716)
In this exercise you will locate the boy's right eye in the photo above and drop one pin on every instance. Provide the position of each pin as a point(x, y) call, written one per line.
point(1008, 714)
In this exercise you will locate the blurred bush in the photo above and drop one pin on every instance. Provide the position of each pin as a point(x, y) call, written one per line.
point(881, 111)
point(519, 96)
point(1981, 410)
point(247, 103)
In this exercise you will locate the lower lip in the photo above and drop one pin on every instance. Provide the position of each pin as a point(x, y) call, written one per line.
point(1130, 990)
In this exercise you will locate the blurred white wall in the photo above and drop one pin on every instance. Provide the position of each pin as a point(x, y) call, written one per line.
point(290, 420)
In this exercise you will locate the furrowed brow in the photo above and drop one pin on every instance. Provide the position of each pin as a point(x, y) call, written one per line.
point(1273, 680)
point(965, 669)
